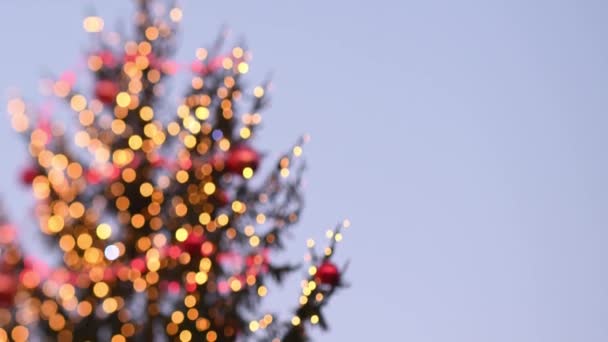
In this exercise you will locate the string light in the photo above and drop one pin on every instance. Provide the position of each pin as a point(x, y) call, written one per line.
point(93, 24)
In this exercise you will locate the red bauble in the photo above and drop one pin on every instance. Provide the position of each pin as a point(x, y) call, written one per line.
point(193, 244)
point(28, 174)
point(93, 176)
point(241, 157)
point(8, 234)
point(106, 91)
point(107, 58)
point(328, 274)
point(8, 289)
point(221, 198)
point(139, 264)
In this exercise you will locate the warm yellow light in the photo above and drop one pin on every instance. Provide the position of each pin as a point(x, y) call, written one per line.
point(93, 24)
point(181, 209)
point(55, 223)
point(197, 83)
point(235, 285)
point(101, 289)
point(211, 336)
point(245, 133)
point(227, 63)
point(138, 221)
point(222, 220)
point(247, 172)
point(176, 14)
point(295, 321)
point(237, 52)
point(238, 206)
point(189, 141)
point(20, 333)
point(190, 301)
point(201, 278)
point(135, 142)
point(104, 231)
point(258, 91)
point(182, 176)
point(93, 255)
point(118, 338)
point(254, 326)
point(254, 241)
point(67, 243)
point(181, 234)
point(118, 126)
point(177, 317)
point(209, 188)
point(204, 218)
point(146, 189)
point(109, 305)
point(123, 99)
point(262, 291)
point(129, 175)
point(78, 102)
point(152, 33)
point(86, 117)
point(84, 308)
point(201, 53)
point(205, 264)
point(146, 113)
point(243, 67)
point(183, 111)
point(173, 128)
point(202, 113)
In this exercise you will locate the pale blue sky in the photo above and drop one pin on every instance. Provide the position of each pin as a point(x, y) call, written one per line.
point(466, 140)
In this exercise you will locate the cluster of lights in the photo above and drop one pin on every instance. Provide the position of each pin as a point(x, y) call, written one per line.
point(313, 291)
point(134, 220)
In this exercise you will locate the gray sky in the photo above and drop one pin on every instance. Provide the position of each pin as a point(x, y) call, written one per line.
point(466, 140)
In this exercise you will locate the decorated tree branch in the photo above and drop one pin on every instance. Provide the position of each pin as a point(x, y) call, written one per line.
point(167, 218)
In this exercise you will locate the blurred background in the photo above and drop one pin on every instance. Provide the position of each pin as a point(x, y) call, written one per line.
point(466, 141)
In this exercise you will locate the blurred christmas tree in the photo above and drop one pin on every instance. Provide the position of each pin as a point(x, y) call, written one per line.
point(166, 230)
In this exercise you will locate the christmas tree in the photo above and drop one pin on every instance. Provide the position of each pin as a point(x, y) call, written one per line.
point(166, 222)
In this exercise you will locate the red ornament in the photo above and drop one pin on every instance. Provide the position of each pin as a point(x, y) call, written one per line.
point(158, 161)
point(193, 244)
point(93, 176)
point(258, 263)
point(8, 234)
point(8, 289)
point(107, 58)
point(173, 287)
point(221, 198)
point(241, 157)
point(37, 266)
point(28, 174)
point(139, 264)
point(106, 91)
point(328, 274)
